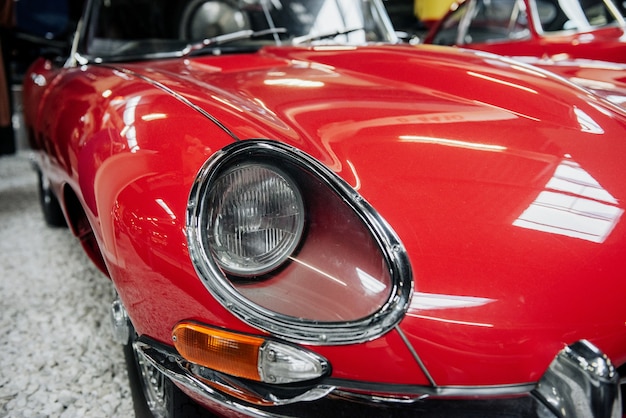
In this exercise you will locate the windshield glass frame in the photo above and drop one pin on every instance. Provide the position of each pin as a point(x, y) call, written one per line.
point(255, 23)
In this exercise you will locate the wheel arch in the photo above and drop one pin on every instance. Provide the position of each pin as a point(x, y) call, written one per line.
point(80, 226)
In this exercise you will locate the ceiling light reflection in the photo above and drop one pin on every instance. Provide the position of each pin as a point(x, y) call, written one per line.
point(153, 116)
point(573, 204)
point(587, 124)
point(432, 301)
point(370, 283)
point(429, 301)
point(453, 143)
point(166, 208)
point(129, 116)
point(294, 82)
point(320, 272)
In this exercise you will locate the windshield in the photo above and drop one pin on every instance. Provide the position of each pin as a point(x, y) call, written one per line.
point(130, 29)
point(580, 15)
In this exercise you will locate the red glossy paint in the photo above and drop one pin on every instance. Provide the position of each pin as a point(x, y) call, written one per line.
point(505, 185)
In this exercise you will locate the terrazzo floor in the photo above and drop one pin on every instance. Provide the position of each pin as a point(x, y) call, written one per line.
point(57, 354)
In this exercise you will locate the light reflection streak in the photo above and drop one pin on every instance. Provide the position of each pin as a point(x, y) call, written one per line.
point(227, 103)
point(294, 82)
point(453, 143)
point(507, 110)
point(593, 84)
point(153, 116)
point(432, 301)
point(315, 269)
point(452, 321)
point(371, 284)
point(429, 301)
point(129, 131)
point(587, 124)
point(357, 179)
point(532, 71)
point(505, 83)
point(166, 208)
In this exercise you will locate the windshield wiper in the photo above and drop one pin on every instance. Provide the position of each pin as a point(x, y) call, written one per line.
point(316, 37)
point(229, 37)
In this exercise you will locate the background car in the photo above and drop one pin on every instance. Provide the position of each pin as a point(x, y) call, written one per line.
point(590, 53)
point(303, 217)
point(550, 29)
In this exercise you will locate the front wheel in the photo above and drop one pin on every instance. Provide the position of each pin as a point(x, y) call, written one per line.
point(154, 394)
point(50, 207)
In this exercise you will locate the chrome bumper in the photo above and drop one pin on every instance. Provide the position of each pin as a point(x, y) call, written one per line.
point(580, 382)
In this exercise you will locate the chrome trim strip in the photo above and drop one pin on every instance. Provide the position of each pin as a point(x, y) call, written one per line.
point(180, 370)
point(393, 392)
point(581, 382)
point(291, 328)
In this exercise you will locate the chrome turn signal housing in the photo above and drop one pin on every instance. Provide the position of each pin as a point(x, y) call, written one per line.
point(246, 356)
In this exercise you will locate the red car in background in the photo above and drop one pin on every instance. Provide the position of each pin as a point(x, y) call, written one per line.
point(583, 41)
point(549, 29)
point(304, 218)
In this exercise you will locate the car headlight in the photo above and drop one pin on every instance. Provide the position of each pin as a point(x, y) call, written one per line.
point(254, 219)
point(290, 248)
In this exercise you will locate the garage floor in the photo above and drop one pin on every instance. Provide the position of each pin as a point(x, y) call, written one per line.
point(57, 355)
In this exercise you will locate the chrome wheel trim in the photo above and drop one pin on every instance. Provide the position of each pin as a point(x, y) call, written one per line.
point(153, 385)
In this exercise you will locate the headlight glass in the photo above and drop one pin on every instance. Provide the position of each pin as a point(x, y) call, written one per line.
point(290, 248)
point(255, 219)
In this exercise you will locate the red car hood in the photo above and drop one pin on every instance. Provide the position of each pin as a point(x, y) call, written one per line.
point(497, 179)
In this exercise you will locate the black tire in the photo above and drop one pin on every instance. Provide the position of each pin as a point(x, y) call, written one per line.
point(154, 394)
point(50, 207)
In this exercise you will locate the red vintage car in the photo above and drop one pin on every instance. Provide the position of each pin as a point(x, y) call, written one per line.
point(590, 53)
point(549, 29)
point(303, 217)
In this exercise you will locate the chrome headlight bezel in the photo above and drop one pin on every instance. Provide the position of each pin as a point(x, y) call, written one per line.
point(291, 328)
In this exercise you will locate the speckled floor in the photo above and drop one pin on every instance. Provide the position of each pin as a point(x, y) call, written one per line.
point(57, 354)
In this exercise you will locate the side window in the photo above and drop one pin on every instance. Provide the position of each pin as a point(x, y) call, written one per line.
point(579, 15)
point(480, 21)
point(449, 30)
point(494, 20)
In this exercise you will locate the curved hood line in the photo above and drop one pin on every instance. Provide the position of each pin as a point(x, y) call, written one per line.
point(178, 96)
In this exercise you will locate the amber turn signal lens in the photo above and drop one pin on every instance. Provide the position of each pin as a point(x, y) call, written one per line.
point(223, 351)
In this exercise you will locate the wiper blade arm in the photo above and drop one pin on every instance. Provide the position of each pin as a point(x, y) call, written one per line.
point(313, 37)
point(229, 37)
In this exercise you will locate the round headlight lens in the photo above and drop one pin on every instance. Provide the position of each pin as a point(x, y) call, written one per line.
point(255, 219)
